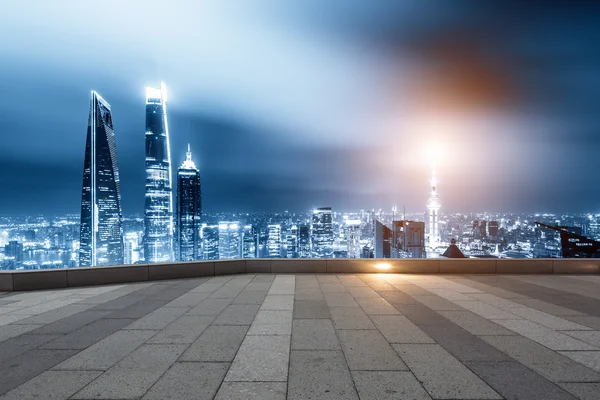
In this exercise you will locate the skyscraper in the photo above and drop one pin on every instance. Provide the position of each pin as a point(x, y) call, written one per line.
point(304, 241)
point(229, 240)
point(158, 223)
point(292, 242)
point(383, 241)
point(322, 233)
point(101, 231)
point(210, 242)
point(189, 210)
point(249, 242)
point(274, 241)
point(433, 208)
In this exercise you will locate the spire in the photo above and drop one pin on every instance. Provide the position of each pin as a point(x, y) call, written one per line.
point(188, 163)
point(188, 154)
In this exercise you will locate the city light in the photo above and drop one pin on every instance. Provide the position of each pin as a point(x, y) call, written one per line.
point(383, 266)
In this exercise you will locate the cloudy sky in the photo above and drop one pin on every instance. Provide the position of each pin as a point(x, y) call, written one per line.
point(297, 104)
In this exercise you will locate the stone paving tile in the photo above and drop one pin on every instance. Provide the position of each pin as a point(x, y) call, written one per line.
point(437, 303)
point(12, 330)
point(545, 336)
point(308, 294)
point(452, 295)
point(121, 302)
point(52, 385)
point(591, 337)
point(133, 375)
point(272, 323)
point(72, 323)
point(188, 300)
point(250, 297)
point(358, 291)
point(88, 335)
point(396, 297)
point(107, 352)
point(583, 391)
point(216, 344)
point(184, 330)
point(369, 351)
point(548, 320)
point(351, 280)
point(350, 318)
point(420, 314)
point(139, 309)
point(55, 314)
point(278, 303)
point(548, 363)
point(411, 289)
point(388, 385)
point(376, 306)
point(188, 381)
point(485, 310)
point(547, 307)
point(340, 300)
point(321, 375)
point(270, 352)
point(237, 314)
point(333, 288)
point(18, 345)
point(311, 309)
point(590, 359)
point(327, 278)
point(443, 376)
point(26, 366)
point(463, 345)
point(515, 381)
point(399, 329)
point(210, 307)
point(314, 334)
point(475, 324)
point(590, 321)
point(252, 391)
point(158, 319)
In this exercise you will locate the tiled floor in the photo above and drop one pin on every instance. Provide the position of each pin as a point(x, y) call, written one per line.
point(382, 336)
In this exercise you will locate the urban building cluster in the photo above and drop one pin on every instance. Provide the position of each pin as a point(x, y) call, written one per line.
point(174, 228)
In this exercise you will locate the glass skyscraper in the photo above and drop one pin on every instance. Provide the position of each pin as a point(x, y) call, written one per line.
point(322, 233)
point(189, 210)
point(210, 242)
point(158, 222)
point(249, 242)
point(274, 241)
point(229, 240)
point(101, 232)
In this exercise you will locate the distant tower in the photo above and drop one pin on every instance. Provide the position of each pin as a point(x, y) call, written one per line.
point(158, 223)
point(189, 210)
point(433, 208)
point(322, 233)
point(249, 242)
point(101, 232)
point(229, 240)
point(274, 241)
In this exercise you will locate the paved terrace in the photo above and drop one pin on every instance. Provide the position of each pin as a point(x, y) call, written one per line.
point(318, 336)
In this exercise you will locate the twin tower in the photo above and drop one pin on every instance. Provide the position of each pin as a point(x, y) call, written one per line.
point(101, 235)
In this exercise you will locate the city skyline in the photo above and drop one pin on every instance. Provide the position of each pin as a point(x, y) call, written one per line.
point(335, 107)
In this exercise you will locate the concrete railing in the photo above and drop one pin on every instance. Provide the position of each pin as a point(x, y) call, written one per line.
point(87, 276)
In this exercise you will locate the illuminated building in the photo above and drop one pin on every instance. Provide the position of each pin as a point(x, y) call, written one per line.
point(493, 228)
point(13, 255)
point(249, 242)
point(292, 242)
point(483, 228)
point(274, 241)
point(189, 210)
point(229, 240)
point(433, 208)
point(210, 242)
point(383, 241)
point(101, 231)
point(304, 241)
point(408, 239)
point(158, 222)
point(322, 233)
point(352, 228)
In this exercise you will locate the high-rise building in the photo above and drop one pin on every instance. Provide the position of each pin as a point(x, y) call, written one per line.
point(483, 228)
point(249, 242)
point(408, 239)
point(291, 242)
point(304, 241)
point(229, 240)
point(433, 208)
point(274, 241)
point(352, 236)
point(493, 228)
point(158, 222)
point(383, 241)
point(13, 255)
point(101, 230)
point(322, 233)
point(210, 242)
point(189, 210)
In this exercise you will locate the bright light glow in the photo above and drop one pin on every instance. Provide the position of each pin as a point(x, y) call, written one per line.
point(383, 266)
point(153, 95)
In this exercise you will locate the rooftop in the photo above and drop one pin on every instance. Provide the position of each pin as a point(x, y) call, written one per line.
point(303, 336)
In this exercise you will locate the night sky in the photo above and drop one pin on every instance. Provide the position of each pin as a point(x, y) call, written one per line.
point(290, 105)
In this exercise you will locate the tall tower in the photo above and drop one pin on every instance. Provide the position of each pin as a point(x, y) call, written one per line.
point(433, 208)
point(101, 232)
point(158, 223)
point(189, 210)
point(322, 233)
